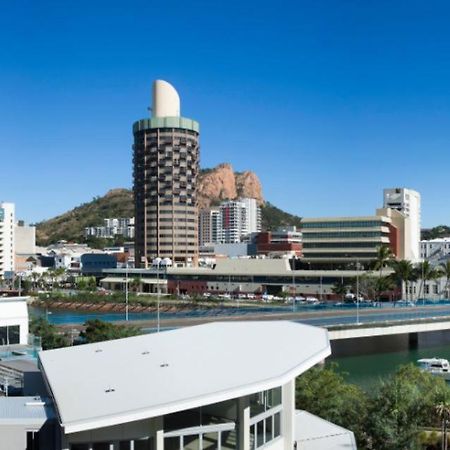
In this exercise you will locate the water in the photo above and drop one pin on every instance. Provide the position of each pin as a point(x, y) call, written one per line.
point(374, 359)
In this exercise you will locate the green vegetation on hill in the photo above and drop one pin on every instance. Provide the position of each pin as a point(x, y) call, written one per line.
point(273, 218)
point(119, 203)
point(70, 225)
point(437, 232)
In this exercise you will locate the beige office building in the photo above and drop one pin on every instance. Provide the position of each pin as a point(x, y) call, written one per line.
point(166, 166)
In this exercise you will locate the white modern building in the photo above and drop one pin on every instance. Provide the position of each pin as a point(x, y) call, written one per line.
point(407, 201)
point(7, 247)
point(214, 386)
point(253, 215)
point(116, 226)
point(238, 219)
point(435, 249)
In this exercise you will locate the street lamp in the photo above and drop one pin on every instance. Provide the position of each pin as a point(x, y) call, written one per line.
point(357, 293)
point(126, 289)
point(158, 322)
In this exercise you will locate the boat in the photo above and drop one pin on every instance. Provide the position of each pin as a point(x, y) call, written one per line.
point(439, 367)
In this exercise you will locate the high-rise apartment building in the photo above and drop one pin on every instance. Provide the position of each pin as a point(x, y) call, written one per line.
point(166, 164)
point(238, 219)
point(7, 247)
point(407, 202)
point(209, 226)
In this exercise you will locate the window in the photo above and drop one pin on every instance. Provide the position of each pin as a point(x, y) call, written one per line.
point(32, 440)
point(10, 335)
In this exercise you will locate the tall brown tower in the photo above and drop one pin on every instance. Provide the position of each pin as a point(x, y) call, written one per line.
point(166, 165)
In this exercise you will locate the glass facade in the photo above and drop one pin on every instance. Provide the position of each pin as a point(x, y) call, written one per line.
point(343, 234)
point(344, 224)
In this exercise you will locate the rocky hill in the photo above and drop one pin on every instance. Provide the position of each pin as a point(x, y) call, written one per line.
point(215, 185)
point(222, 183)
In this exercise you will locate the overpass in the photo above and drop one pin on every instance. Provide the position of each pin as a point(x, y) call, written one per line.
point(386, 328)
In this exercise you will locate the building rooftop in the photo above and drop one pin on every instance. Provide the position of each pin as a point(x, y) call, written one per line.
point(314, 433)
point(29, 411)
point(153, 375)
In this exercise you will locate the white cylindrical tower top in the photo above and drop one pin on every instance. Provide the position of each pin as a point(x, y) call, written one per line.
point(166, 101)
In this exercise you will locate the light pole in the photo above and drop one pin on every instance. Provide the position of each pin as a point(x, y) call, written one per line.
point(294, 289)
point(126, 289)
point(357, 293)
point(157, 299)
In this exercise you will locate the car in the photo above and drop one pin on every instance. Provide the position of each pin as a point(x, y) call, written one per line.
point(404, 303)
point(312, 300)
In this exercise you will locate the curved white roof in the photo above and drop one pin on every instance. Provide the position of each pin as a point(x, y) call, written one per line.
point(166, 101)
point(120, 381)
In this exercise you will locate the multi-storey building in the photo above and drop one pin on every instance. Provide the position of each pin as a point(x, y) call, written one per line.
point(209, 226)
point(279, 243)
point(25, 246)
point(166, 165)
point(117, 226)
point(407, 202)
point(344, 242)
point(238, 219)
point(253, 215)
point(435, 249)
point(7, 246)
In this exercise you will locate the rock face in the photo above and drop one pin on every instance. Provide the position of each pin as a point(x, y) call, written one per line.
point(221, 183)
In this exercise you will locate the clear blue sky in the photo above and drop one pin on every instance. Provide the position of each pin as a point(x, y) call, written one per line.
point(327, 101)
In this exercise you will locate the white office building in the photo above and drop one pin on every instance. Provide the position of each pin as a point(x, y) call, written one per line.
point(7, 246)
point(435, 249)
point(203, 387)
point(407, 201)
point(253, 215)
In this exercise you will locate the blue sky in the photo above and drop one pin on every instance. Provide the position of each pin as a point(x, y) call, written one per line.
point(327, 101)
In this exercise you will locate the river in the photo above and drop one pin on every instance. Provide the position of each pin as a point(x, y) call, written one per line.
point(367, 361)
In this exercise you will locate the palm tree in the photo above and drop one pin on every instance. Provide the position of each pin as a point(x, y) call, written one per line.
point(383, 258)
point(403, 273)
point(426, 272)
point(443, 412)
point(446, 274)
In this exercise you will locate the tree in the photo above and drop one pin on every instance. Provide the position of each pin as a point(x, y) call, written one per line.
point(383, 258)
point(404, 403)
point(97, 331)
point(48, 333)
point(381, 285)
point(135, 284)
point(340, 288)
point(403, 274)
point(324, 392)
point(443, 413)
point(446, 274)
point(426, 272)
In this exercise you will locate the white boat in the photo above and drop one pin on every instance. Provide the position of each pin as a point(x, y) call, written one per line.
point(436, 366)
